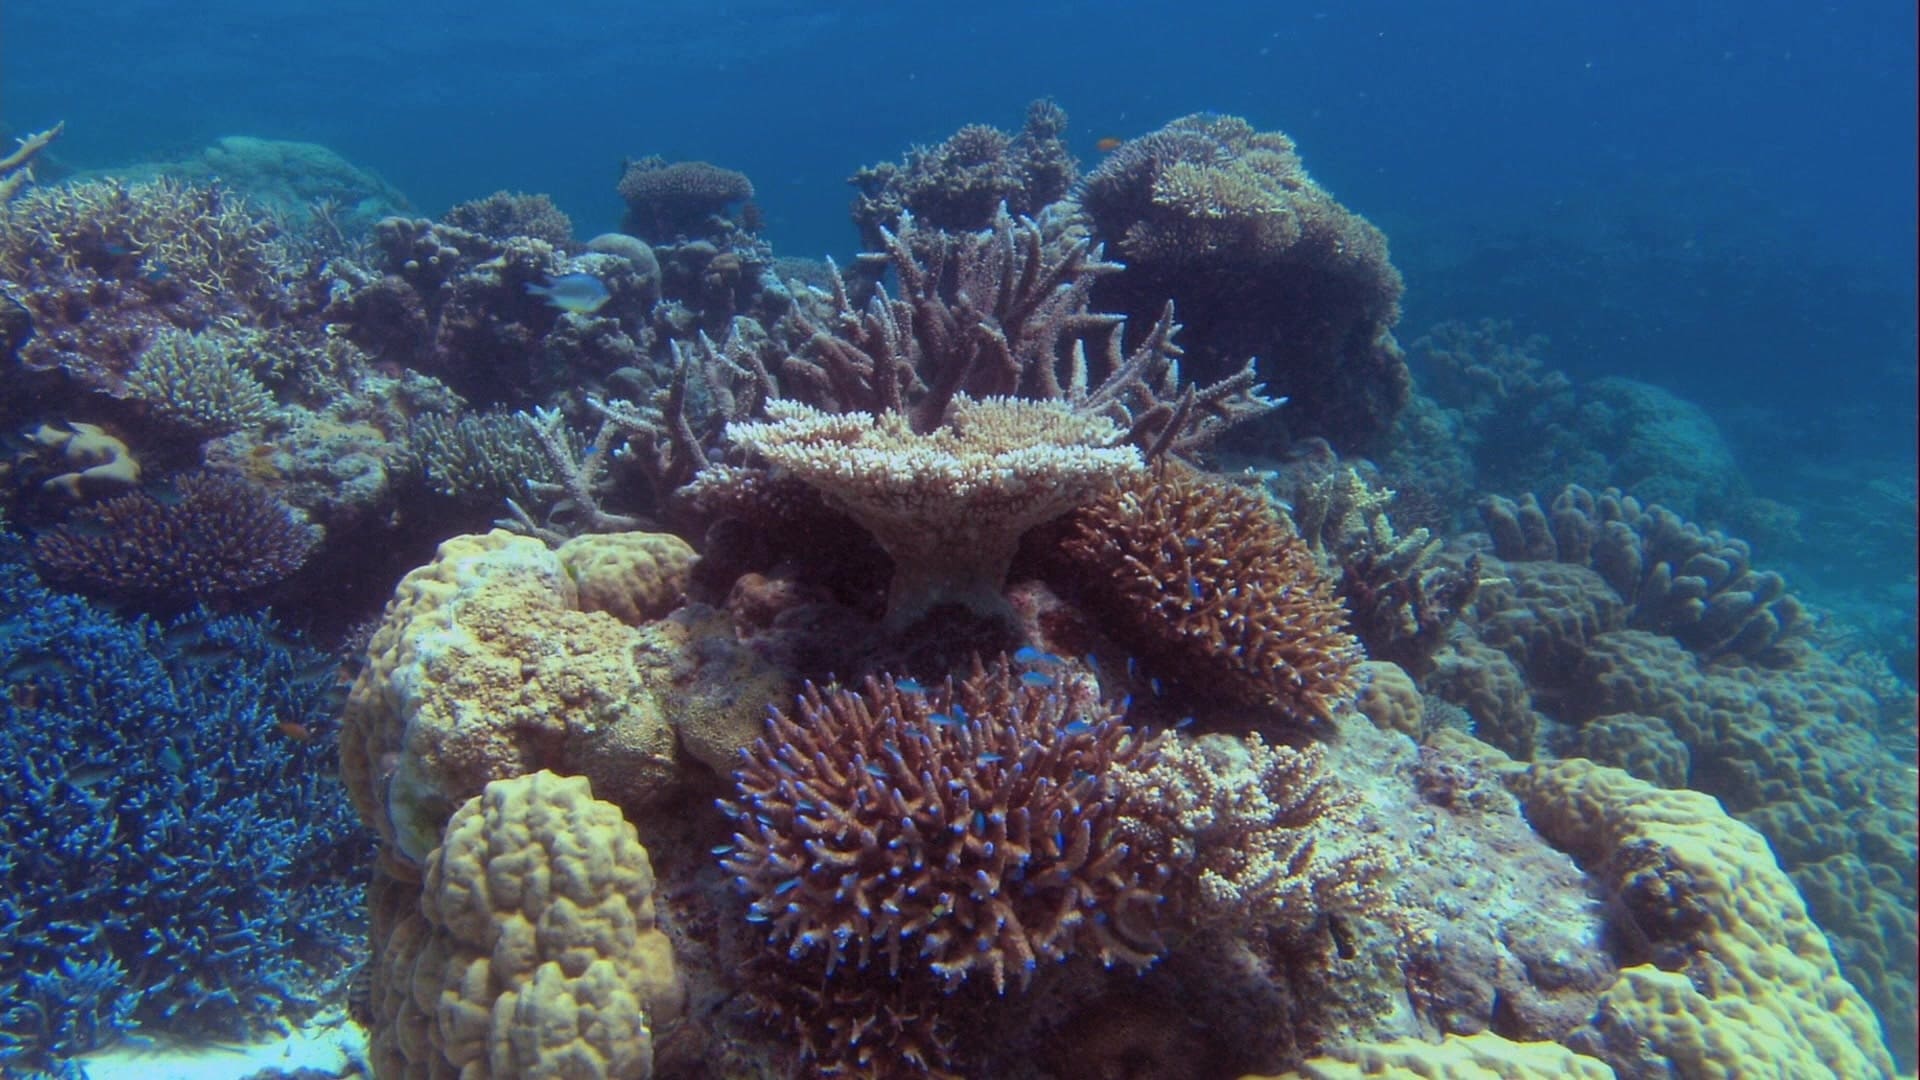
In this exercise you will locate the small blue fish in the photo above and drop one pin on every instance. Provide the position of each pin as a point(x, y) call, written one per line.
point(1078, 727)
point(908, 686)
point(1194, 588)
point(1193, 543)
point(942, 720)
point(876, 772)
point(1036, 680)
point(722, 849)
point(786, 886)
point(1184, 722)
point(582, 294)
point(1027, 654)
point(990, 758)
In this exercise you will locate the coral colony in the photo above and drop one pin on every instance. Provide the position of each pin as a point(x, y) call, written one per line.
point(989, 657)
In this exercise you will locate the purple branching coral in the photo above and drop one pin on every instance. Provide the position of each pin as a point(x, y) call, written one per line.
point(974, 829)
point(218, 536)
point(968, 827)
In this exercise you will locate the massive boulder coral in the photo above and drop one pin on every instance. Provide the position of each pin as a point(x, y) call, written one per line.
point(532, 949)
point(500, 657)
point(1697, 585)
point(1260, 261)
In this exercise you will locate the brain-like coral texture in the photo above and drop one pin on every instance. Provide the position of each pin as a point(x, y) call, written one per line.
point(534, 951)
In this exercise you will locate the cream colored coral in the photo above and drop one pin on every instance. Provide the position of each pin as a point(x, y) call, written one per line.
point(99, 461)
point(949, 506)
point(486, 667)
point(1484, 1056)
point(1389, 698)
point(542, 898)
point(633, 576)
point(1758, 989)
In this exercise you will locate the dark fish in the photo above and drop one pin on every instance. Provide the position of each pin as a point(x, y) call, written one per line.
point(31, 665)
point(360, 994)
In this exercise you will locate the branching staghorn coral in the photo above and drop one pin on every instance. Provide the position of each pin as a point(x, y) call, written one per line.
point(978, 375)
point(16, 169)
point(941, 835)
point(1212, 588)
point(200, 381)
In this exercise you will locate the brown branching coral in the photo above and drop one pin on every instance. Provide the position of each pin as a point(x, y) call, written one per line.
point(513, 213)
point(1260, 260)
point(1213, 589)
point(1274, 842)
point(962, 831)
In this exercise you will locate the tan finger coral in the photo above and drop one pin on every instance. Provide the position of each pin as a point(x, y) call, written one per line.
point(951, 505)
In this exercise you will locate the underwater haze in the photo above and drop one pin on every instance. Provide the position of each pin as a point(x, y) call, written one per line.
point(1586, 420)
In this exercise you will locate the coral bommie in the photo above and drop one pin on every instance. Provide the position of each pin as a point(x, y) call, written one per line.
point(1212, 588)
point(971, 828)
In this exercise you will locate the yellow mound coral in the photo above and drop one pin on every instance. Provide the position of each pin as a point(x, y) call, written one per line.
point(1212, 588)
point(486, 667)
point(1484, 1056)
point(632, 576)
point(1740, 973)
point(533, 952)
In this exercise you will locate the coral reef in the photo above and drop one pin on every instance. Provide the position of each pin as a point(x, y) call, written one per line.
point(670, 201)
point(1260, 261)
point(927, 367)
point(102, 267)
point(178, 851)
point(533, 951)
point(1215, 593)
point(211, 537)
point(513, 213)
point(962, 183)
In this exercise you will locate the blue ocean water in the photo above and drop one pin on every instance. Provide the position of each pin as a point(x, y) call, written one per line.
point(1713, 197)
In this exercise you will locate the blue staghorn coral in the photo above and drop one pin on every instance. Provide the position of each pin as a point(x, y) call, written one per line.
point(174, 843)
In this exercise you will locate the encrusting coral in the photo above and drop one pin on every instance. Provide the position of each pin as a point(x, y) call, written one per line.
point(1214, 591)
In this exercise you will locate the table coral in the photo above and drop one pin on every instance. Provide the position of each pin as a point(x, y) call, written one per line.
point(534, 952)
point(669, 201)
point(949, 506)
